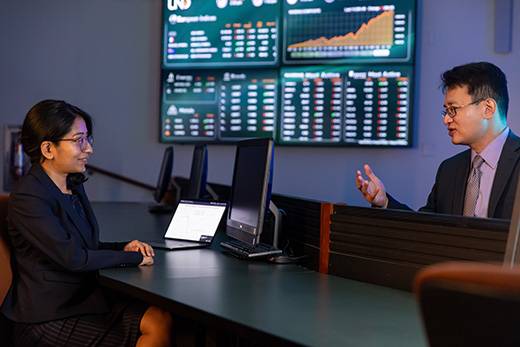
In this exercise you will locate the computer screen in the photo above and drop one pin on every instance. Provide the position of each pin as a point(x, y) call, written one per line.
point(356, 105)
point(249, 191)
point(219, 105)
point(212, 33)
point(347, 31)
point(198, 173)
point(302, 72)
point(195, 220)
point(165, 174)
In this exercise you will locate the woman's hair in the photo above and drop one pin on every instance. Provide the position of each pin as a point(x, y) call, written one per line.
point(49, 120)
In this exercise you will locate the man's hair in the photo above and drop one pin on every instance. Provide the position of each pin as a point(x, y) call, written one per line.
point(483, 80)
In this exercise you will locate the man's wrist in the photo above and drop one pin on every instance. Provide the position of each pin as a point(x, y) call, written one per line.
point(385, 205)
point(386, 202)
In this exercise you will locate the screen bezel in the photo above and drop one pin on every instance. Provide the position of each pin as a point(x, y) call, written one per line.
point(238, 230)
point(199, 202)
point(199, 163)
point(165, 174)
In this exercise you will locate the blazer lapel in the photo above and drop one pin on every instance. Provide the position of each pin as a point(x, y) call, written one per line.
point(461, 179)
point(86, 235)
point(38, 172)
point(89, 212)
point(506, 164)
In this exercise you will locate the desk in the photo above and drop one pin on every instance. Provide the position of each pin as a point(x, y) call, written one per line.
point(281, 304)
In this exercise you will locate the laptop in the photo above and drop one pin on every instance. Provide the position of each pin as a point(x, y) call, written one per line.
point(193, 225)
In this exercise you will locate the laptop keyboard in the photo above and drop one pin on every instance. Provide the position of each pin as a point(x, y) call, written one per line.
point(246, 251)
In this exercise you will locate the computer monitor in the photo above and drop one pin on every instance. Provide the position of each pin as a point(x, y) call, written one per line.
point(199, 173)
point(163, 181)
point(250, 190)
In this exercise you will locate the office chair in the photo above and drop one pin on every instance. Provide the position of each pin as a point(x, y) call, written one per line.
point(6, 275)
point(470, 304)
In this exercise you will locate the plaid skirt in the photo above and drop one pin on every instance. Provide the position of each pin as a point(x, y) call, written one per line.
point(119, 327)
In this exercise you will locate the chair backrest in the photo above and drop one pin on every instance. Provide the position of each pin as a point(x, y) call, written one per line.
point(6, 275)
point(470, 304)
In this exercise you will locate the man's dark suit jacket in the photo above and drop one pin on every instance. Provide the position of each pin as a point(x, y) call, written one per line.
point(56, 253)
point(449, 190)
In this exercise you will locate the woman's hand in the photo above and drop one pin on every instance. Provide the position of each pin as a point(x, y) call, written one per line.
point(147, 261)
point(138, 246)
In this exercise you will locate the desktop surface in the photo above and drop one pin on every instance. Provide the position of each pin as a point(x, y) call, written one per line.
point(286, 303)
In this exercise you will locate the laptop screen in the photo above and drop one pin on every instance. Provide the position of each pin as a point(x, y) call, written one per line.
point(195, 220)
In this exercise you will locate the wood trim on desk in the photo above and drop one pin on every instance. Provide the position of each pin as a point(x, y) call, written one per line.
point(326, 212)
point(388, 247)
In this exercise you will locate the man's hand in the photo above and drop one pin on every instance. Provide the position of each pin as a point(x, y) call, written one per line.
point(372, 189)
point(147, 261)
point(138, 246)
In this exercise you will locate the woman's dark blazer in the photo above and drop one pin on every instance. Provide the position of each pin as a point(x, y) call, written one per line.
point(56, 253)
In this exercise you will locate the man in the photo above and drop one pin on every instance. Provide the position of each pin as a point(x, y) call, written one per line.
point(481, 181)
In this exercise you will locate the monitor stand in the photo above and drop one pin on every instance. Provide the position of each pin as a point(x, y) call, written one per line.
point(277, 222)
point(267, 249)
point(162, 208)
point(176, 189)
point(211, 192)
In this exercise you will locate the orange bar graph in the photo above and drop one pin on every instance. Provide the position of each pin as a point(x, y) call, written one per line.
point(377, 31)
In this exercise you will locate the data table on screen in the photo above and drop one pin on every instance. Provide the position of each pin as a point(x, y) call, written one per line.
point(247, 106)
point(211, 105)
point(357, 105)
point(212, 33)
point(311, 106)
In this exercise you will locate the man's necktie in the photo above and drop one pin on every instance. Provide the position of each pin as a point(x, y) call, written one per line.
point(473, 187)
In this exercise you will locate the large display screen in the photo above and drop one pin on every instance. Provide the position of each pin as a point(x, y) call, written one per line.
point(226, 105)
point(318, 31)
point(200, 33)
point(346, 104)
point(303, 72)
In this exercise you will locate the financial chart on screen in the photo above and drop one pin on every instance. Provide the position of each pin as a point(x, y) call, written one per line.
point(347, 31)
point(303, 72)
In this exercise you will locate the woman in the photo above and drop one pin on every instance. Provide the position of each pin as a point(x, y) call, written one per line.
point(55, 299)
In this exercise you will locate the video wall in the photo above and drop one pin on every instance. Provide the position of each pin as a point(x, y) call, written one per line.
point(303, 72)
